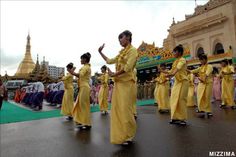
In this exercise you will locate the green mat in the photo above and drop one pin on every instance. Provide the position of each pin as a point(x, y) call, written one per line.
point(11, 113)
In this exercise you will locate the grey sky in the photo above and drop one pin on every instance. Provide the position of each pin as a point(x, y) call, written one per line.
point(63, 30)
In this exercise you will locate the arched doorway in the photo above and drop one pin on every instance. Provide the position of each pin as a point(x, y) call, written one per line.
point(200, 51)
point(219, 49)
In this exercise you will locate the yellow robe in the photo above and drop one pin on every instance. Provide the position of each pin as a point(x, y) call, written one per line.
point(227, 86)
point(81, 111)
point(68, 97)
point(190, 99)
point(163, 92)
point(155, 90)
point(204, 89)
point(103, 92)
point(179, 92)
point(123, 124)
point(135, 93)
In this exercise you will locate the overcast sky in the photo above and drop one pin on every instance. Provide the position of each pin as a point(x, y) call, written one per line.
point(63, 30)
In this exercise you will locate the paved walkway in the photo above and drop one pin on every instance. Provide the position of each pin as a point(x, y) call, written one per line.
point(56, 137)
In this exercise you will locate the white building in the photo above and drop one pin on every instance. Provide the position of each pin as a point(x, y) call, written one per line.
point(54, 71)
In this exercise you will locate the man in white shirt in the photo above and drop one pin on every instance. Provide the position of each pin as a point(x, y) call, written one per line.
point(38, 98)
point(57, 99)
point(31, 94)
point(54, 89)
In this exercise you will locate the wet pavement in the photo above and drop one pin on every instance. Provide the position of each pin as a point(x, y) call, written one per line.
point(56, 137)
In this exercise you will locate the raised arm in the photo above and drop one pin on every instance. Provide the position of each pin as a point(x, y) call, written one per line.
point(72, 72)
point(100, 52)
point(108, 60)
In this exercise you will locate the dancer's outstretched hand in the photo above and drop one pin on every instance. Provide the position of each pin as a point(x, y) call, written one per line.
point(101, 48)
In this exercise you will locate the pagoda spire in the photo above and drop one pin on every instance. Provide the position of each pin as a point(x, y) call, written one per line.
point(28, 46)
point(27, 65)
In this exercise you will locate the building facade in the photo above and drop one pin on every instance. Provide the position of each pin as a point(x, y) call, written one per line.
point(210, 29)
point(53, 71)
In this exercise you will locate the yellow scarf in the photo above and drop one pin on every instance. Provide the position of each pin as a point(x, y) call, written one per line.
point(121, 56)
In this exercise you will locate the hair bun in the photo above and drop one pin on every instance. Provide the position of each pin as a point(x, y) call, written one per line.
point(70, 65)
point(88, 54)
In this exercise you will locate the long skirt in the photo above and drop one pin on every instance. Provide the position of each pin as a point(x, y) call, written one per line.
point(123, 125)
point(67, 102)
point(103, 98)
point(204, 94)
point(81, 110)
point(228, 92)
point(178, 100)
point(190, 99)
point(163, 96)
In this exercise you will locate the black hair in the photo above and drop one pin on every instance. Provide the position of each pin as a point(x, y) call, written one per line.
point(127, 33)
point(70, 66)
point(230, 61)
point(104, 67)
point(190, 68)
point(179, 49)
point(202, 57)
point(86, 56)
point(225, 61)
point(163, 65)
point(215, 70)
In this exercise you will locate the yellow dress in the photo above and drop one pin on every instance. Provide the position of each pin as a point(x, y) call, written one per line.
point(204, 89)
point(190, 99)
point(179, 92)
point(81, 111)
point(227, 85)
point(68, 97)
point(123, 125)
point(103, 92)
point(163, 92)
point(155, 90)
point(135, 93)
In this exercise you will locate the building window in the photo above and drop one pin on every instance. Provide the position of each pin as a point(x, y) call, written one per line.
point(219, 49)
point(200, 51)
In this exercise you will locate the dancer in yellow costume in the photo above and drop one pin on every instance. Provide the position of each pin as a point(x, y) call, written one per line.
point(227, 85)
point(190, 99)
point(135, 94)
point(103, 92)
point(81, 111)
point(123, 125)
point(156, 86)
point(162, 92)
point(179, 92)
point(204, 89)
point(68, 97)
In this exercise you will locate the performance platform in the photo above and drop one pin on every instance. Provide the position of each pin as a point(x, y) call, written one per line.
point(56, 137)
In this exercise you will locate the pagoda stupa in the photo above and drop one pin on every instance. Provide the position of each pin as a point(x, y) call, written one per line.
point(27, 64)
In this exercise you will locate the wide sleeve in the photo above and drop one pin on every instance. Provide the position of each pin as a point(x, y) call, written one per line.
point(132, 59)
point(231, 68)
point(195, 70)
point(209, 70)
point(64, 78)
point(111, 60)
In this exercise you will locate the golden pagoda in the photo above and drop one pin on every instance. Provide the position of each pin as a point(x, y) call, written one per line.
point(27, 64)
